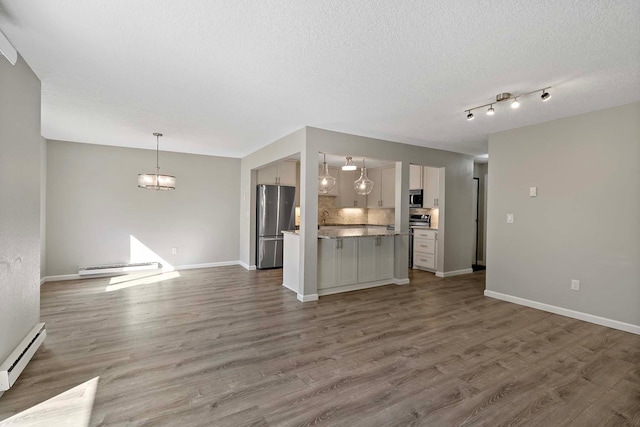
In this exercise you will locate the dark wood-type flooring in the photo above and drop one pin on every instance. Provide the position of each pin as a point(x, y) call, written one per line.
point(229, 347)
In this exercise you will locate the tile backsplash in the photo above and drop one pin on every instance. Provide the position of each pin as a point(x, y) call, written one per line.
point(346, 216)
point(328, 213)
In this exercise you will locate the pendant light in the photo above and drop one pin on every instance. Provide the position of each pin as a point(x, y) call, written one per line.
point(349, 166)
point(363, 185)
point(325, 181)
point(156, 181)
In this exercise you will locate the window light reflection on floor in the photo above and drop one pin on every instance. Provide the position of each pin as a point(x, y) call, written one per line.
point(139, 252)
point(145, 280)
point(70, 408)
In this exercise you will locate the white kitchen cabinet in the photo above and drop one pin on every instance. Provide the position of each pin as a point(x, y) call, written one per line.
point(348, 196)
point(366, 259)
point(415, 177)
point(388, 188)
point(334, 172)
point(385, 250)
point(375, 258)
point(431, 196)
point(280, 173)
point(374, 198)
point(384, 187)
point(337, 262)
point(425, 248)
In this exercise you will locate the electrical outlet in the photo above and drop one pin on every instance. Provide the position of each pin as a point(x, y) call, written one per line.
point(174, 251)
point(533, 191)
point(509, 218)
point(575, 285)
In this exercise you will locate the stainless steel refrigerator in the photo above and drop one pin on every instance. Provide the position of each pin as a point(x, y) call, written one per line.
point(275, 206)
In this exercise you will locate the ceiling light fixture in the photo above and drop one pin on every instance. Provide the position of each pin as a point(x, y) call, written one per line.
point(505, 96)
point(545, 95)
point(363, 185)
point(156, 181)
point(325, 181)
point(349, 166)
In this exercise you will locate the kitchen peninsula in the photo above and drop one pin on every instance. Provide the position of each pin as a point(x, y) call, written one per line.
point(348, 259)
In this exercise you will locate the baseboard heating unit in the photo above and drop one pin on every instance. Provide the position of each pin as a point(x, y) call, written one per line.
point(117, 268)
point(11, 368)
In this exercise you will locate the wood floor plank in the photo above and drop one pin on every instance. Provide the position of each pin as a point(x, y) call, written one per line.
point(230, 347)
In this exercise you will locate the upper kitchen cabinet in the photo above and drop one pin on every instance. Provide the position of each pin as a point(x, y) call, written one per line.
point(415, 177)
point(431, 197)
point(348, 197)
point(335, 173)
point(384, 187)
point(281, 173)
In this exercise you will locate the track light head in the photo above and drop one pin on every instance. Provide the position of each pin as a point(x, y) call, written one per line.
point(545, 95)
point(470, 116)
point(515, 103)
point(491, 111)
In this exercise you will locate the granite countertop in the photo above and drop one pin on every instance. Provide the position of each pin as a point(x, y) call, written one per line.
point(424, 227)
point(338, 233)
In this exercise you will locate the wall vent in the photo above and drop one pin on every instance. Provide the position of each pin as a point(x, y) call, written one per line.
point(117, 268)
point(13, 366)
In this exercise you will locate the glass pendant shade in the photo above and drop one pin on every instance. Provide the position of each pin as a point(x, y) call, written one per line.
point(157, 181)
point(325, 181)
point(152, 181)
point(363, 185)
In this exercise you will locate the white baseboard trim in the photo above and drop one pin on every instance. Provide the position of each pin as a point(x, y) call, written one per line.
point(247, 266)
point(401, 281)
point(206, 265)
point(355, 287)
point(307, 298)
point(454, 273)
point(63, 277)
point(603, 321)
point(290, 288)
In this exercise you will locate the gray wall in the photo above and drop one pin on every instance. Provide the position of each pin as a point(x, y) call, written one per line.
point(585, 222)
point(20, 147)
point(480, 172)
point(94, 206)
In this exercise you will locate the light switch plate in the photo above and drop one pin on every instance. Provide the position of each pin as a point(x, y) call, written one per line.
point(509, 218)
point(575, 285)
point(533, 191)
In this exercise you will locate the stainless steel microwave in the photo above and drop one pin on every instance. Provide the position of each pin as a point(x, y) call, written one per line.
point(415, 198)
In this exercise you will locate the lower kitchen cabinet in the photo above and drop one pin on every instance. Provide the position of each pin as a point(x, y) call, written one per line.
point(375, 258)
point(355, 260)
point(337, 262)
point(425, 248)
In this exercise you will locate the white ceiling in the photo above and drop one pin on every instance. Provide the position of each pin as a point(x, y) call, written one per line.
point(228, 77)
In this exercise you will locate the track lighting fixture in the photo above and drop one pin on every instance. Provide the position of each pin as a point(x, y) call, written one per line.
point(545, 95)
point(505, 96)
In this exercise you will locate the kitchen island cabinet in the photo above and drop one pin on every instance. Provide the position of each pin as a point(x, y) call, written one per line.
point(348, 259)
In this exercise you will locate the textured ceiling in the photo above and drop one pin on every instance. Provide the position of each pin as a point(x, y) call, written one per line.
point(228, 77)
